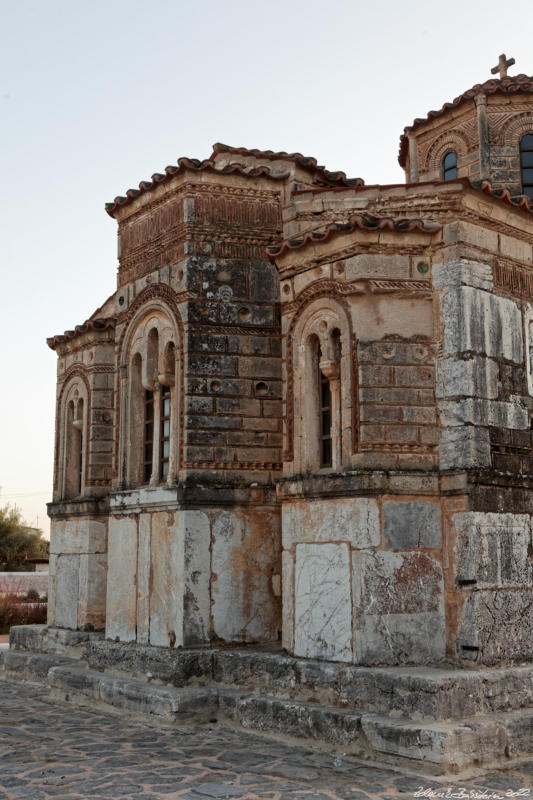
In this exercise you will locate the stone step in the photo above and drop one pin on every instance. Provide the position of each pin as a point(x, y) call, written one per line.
point(184, 705)
point(52, 640)
point(34, 667)
point(416, 693)
point(434, 748)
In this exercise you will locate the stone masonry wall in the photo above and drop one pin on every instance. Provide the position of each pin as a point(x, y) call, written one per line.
point(78, 573)
point(187, 577)
point(397, 401)
point(363, 580)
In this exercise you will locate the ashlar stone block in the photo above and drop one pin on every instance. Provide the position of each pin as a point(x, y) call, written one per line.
point(195, 532)
point(245, 554)
point(462, 272)
point(121, 602)
point(497, 625)
point(492, 550)
point(323, 616)
point(482, 323)
point(66, 591)
point(398, 608)
point(167, 589)
point(411, 524)
point(353, 519)
point(473, 377)
point(462, 447)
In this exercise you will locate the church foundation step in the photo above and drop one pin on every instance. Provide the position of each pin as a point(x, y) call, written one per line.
point(417, 693)
point(34, 667)
point(184, 705)
point(412, 693)
point(435, 747)
point(52, 640)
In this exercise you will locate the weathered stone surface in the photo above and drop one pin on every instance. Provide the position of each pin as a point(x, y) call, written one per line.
point(33, 666)
point(323, 618)
point(293, 718)
point(143, 579)
point(496, 626)
point(462, 272)
point(398, 608)
point(78, 536)
point(470, 377)
point(377, 266)
point(474, 411)
point(354, 520)
point(245, 549)
point(482, 323)
point(195, 531)
point(66, 591)
point(121, 622)
point(167, 581)
point(492, 550)
point(145, 698)
point(92, 590)
point(27, 637)
point(412, 524)
point(287, 586)
point(464, 447)
point(175, 666)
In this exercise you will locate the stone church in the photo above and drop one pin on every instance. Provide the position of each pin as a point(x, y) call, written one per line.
point(303, 418)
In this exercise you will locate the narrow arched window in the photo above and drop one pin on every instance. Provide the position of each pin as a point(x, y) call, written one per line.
point(74, 449)
point(449, 166)
point(325, 411)
point(148, 435)
point(526, 163)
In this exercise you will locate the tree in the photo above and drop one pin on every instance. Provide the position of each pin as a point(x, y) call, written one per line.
point(17, 541)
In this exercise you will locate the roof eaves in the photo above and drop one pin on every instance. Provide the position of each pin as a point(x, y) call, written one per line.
point(359, 222)
point(89, 325)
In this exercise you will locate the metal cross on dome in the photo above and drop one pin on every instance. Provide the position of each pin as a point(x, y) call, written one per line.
point(502, 66)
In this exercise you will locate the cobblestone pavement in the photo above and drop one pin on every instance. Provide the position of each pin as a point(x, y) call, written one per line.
point(53, 750)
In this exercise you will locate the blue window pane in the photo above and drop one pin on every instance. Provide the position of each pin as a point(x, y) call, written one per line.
point(527, 158)
point(527, 176)
point(526, 142)
point(528, 190)
point(450, 174)
point(450, 160)
point(166, 429)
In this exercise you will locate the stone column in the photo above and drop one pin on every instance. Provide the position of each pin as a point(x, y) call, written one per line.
point(413, 159)
point(483, 136)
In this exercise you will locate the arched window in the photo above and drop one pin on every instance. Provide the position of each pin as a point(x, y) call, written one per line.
point(149, 437)
point(449, 166)
point(72, 463)
point(322, 389)
point(526, 163)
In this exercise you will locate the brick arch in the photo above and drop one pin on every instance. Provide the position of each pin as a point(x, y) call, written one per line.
point(450, 140)
point(327, 293)
point(513, 130)
point(75, 371)
point(154, 298)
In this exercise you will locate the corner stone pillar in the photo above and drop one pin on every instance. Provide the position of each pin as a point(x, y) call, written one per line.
point(78, 572)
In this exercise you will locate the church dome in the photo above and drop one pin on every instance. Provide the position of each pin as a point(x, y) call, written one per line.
point(486, 133)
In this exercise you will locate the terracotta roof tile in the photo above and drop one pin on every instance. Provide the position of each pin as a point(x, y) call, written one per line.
point(307, 162)
point(208, 164)
point(184, 164)
point(89, 325)
point(365, 222)
point(508, 85)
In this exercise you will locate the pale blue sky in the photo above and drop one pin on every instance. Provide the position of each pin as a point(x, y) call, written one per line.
point(96, 96)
